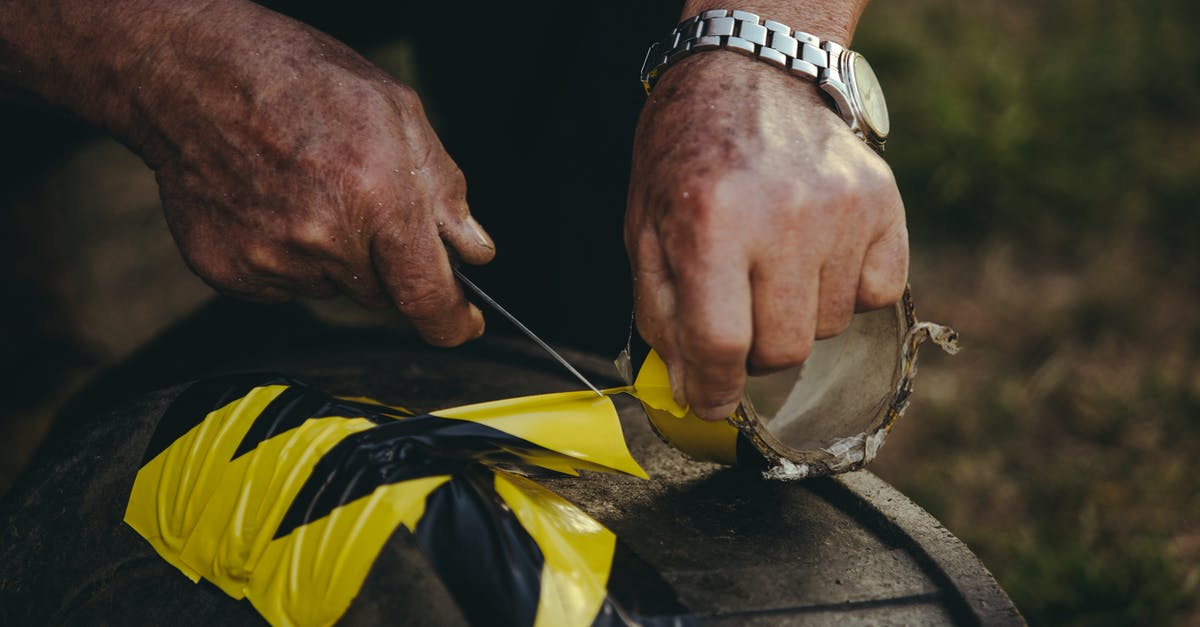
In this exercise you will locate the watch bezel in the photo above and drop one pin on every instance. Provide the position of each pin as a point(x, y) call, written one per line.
point(852, 80)
point(834, 68)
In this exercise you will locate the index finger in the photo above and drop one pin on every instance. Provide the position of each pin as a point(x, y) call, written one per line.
point(415, 271)
point(715, 331)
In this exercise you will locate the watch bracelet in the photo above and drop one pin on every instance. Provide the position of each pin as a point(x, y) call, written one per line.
point(801, 54)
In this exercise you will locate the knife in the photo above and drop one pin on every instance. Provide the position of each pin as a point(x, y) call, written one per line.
point(524, 329)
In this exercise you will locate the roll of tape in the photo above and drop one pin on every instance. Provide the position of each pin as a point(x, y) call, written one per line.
point(827, 416)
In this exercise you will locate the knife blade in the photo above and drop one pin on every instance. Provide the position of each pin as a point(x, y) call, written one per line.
point(524, 329)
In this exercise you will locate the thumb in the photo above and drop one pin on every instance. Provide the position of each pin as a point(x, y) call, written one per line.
point(467, 237)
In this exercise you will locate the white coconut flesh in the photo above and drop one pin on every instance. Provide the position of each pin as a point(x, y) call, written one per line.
point(839, 397)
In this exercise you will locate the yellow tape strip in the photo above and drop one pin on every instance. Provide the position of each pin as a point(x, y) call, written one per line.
point(170, 492)
point(579, 425)
point(215, 517)
point(701, 439)
point(578, 551)
point(310, 576)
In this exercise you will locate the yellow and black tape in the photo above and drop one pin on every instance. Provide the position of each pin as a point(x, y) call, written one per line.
point(284, 496)
point(713, 441)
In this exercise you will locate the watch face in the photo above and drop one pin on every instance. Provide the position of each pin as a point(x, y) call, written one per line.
point(870, 96)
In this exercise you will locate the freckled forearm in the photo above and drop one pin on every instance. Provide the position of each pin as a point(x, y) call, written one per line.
point(110, 63)
point(81, 55)
point(827, 19)
point(155, 72)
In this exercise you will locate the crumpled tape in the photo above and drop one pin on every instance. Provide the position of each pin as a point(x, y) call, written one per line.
point(215, 515)
point(701, 439)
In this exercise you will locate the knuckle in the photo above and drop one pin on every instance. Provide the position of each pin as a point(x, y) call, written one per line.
point(884, 276)
point(707, 213)
point(366, 181)
point(833, 324)
point(701, 197)
point(216, 270)
point(422, 300)
point(781, 356)
point(313, 234)
point(882, 176)
point(405, 97)
point(835, 310)
point(879, 295)
point(263, 259)
point(717, 348)
point(684, 234)
point(879, 189)
point(708, 202)
point(864, 183)
point(452, 205)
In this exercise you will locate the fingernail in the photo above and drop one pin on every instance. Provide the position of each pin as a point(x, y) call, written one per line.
point(480, 234)
point(676, 379)
point(478, 315)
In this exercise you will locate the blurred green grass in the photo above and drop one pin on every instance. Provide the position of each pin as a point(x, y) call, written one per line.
point(1046, 122)
point(1049, 156)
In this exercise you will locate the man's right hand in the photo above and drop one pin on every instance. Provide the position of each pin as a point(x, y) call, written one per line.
point(287, 164)
point(757, 221)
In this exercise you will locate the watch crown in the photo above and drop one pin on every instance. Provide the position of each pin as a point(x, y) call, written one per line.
point(650, 66)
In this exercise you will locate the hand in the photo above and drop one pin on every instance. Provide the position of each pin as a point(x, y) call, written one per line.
point(288, 165)
point(757, 222)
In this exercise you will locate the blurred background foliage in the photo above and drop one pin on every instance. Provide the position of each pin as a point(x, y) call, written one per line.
point(1054, 123)
point(1049, 156)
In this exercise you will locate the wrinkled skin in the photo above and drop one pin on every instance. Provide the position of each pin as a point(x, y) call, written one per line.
point(307, 171)
point(757, 222)
point(288, 165)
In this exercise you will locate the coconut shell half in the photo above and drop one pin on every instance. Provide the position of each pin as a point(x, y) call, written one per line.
point(827, 416)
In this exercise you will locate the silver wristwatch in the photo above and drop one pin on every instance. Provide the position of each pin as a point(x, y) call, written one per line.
point(843, 74)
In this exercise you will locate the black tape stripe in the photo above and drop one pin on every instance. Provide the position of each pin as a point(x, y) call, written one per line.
point(489, 563)
point(299, 403)
point(285, 412)
point(487, 560)
point(401, 450)
point(198, 400)
point(638, 595)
